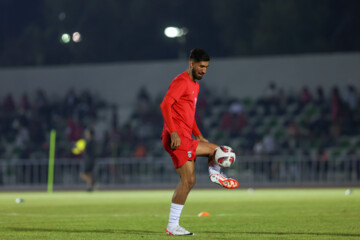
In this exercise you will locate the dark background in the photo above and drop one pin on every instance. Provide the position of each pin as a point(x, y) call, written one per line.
point(132, 30)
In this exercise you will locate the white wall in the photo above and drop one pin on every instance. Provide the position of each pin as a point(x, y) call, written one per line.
point(251, 76)
point(241, 76)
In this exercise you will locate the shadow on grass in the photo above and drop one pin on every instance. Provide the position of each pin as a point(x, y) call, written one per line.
point(292, 233)
point(130, 231)
point(124, 231)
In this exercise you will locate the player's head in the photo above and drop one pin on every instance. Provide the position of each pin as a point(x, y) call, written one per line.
point(89, 133)
point(199, 55)
point(199, 61)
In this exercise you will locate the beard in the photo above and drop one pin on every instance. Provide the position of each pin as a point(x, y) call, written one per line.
point(196, 76)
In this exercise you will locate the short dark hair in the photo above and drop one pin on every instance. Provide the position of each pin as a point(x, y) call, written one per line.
point(198, 55)
point(91, 131)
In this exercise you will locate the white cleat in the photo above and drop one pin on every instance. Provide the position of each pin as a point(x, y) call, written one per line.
point(223, 181)
point(178, 231)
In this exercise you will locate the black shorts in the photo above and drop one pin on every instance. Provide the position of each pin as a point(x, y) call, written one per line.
point(89, 166)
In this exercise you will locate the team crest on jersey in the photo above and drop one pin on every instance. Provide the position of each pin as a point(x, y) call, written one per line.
point(189, 154)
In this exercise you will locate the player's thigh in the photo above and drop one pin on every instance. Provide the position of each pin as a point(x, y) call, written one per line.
point(205, 149)
point(187, 171)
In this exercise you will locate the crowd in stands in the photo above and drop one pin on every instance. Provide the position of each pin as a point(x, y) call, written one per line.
point(25, 124)
point(284, 122)
point(307, 121)
point(303, 122)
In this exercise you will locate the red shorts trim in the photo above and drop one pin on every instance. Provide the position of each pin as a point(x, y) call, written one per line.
point(184, 153)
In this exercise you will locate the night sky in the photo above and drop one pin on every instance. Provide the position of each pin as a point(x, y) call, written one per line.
point(125, 30)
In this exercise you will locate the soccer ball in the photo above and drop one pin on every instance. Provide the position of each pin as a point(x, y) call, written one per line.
point(224, 156)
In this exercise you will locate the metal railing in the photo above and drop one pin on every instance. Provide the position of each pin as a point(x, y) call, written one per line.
point(251, 171)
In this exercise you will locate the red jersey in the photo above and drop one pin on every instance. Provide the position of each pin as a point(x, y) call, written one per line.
point(185, 92)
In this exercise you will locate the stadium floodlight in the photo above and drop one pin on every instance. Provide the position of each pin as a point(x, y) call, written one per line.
point(76, 37)
point(180, 35)
point(65, 38)
point(62, 16)
point(174, 32)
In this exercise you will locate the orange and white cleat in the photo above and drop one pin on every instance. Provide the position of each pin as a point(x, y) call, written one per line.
point(223, 181)
point(178, 231)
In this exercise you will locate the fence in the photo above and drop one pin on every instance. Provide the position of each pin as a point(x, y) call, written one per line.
point(251, 171)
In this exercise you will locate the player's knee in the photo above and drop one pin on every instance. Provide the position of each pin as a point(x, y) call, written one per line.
point(189, 182)
point(212, 149)
point(206, 149)
point(192, 181)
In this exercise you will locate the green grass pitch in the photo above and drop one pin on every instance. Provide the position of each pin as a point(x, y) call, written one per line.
point(235, 214)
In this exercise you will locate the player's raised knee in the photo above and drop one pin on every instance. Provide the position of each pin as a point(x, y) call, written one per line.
point(205, 149)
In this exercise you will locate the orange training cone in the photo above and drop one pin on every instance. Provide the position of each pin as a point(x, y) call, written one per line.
point(204, 214)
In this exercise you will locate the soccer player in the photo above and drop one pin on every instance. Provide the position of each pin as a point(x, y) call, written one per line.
point(89, 154)
point(178, 110)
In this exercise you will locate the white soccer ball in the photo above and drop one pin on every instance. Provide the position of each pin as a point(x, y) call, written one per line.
point(225, 156)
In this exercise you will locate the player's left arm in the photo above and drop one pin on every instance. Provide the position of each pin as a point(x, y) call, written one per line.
point(196, 132)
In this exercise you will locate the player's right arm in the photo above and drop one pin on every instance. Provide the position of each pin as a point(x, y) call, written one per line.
point(166, 112)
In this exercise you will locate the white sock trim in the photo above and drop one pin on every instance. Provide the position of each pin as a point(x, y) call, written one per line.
point(214, 169)
point(174, 216)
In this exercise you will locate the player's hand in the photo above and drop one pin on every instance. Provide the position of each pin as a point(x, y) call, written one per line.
point(175, 140)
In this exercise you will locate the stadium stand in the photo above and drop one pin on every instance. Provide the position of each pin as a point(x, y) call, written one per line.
point(276, 123)
point(287, 137)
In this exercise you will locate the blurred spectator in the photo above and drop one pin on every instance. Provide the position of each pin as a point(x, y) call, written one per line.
point(143, 94)
point(351, 98)
point(239, 122)
point(319, 128)
point(141, 150)
point(114, 142)
point(272, 92)
point(22, 140)
point(335, 129)
point(226, 121)
point(320, 97)
point(25, 102)
point(143, 103)
point(293, 135)
point(128, 139)
point(271, 98)
point(36, 131)
point(321, 164)
point(305, 96)
point(74, 130)
point(269, 144)
point(9, 104)
point(71, 99)
point(84, 109)
point(105, 146)
point(259, 148)
point(337, 107)
point(202, 102)
point(40, 100)
point(114, 116)
point(145, 130)
point(236, 108)
point(282, 102)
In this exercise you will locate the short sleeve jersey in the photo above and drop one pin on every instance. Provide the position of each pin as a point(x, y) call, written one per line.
point(185, 92)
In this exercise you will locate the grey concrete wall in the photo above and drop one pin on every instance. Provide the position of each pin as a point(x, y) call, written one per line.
point(242, 77)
